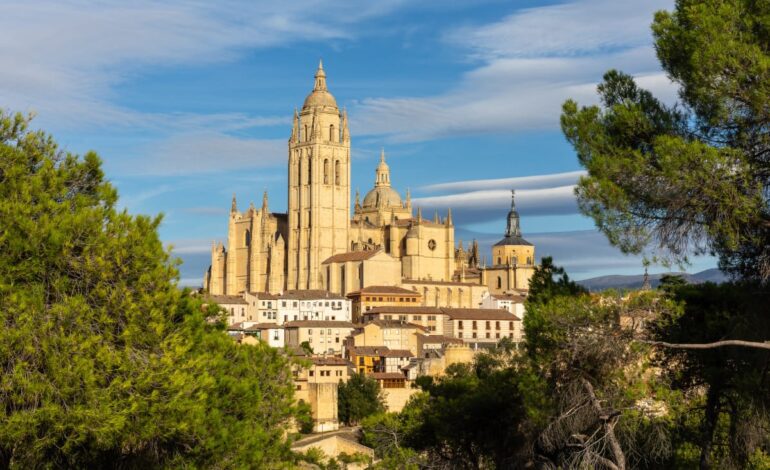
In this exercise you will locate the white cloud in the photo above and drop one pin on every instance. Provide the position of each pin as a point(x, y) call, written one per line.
point(204, 152)
point(532, 61)
point(518, 183)
point(493, 204)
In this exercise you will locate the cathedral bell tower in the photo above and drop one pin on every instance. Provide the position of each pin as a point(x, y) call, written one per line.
point(319, 186)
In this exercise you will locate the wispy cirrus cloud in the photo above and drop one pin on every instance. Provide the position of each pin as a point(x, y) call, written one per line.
point(530, 63)
point(548, 194)
point(67, 58)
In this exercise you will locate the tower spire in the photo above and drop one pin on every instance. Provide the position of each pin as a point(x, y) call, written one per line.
point(345, 131)
point(233, 206)
point(320, 77)
point(264, 201)
point(295, 127)
point(449, 216)
point(382, 172)
point(512, 229)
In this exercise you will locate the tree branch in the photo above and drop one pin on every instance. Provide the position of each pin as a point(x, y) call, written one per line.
point(714, 345)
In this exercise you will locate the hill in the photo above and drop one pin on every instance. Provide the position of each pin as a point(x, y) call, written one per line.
point(635, 281)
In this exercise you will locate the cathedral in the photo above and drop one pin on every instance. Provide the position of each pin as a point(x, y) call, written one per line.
point(316, 244)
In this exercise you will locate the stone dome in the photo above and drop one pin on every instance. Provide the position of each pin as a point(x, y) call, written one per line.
point(320, 95)
point(319, 98)
point(381, 196)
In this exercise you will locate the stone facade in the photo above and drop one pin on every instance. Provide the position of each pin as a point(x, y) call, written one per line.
point(319, 244)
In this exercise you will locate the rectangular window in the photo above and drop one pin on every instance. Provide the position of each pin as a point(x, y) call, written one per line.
point(312, 373)
point(474, 324)
point(417, 318)
point(283, 303)
point(510, 325)
point(487, 325)
point(310, 331)
point(497, 325)
point(460, 325)
point(474, 334)
point(488, 334)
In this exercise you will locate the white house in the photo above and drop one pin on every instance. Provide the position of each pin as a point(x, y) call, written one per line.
point(306, 305)
point(514, 303)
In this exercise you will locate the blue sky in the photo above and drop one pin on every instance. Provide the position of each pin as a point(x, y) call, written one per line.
point(190, 102)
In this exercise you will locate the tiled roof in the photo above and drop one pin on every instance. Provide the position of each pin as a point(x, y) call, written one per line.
point(384, 290)
point(351, 256)
point(263, 326)
point(405, 310)
point(513, 240)
point(387, 375)
point(318, 324)
point(440, 339)
point(398, 353)
point(235, 327)
point(313, 294)
point(369, 350)
point(226, 299)
point(479, 314)
point(438, 283)
point(514, 297)
point(395, 324)
point(265, 295)
point(330, 361)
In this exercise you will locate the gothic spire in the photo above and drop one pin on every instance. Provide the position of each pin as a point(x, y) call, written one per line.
point(264, 201)
point(512, 229)
point(436, 218)
point(408, 199)
point(449, 216)
point(233, 206)
point(382, 172)
point(295, 127)
point(345, 131)
point(320, 77)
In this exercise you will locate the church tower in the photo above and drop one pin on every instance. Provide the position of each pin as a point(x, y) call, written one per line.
point(319, 186)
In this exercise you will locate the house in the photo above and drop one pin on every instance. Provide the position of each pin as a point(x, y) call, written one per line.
point(317, 385)
point(393, 334)
point(483, 327)
point(430, 318)
point(270, 333)
point(323, 336)
point(296, 305)
point(381, 296)
point(513, 302)
point(235, 305)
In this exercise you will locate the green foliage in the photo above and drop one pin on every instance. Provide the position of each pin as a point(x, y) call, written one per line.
point(358, 398)
point(543, 286)
point(106, 362)
point(304, 417)
point(647, 162)
point(731, 421)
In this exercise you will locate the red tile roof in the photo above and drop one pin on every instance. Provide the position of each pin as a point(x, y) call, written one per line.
point(479, 314)
point(318, 324)
point(387, 375)
point(351, 256)
point(384, 290)
point(405, 310)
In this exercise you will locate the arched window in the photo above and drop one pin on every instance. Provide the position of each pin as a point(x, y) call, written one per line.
point(499, 260)
point(337, 172)
point(370, 241)
point(326, 171)
point(309, 171)
point(499, 282)
point(342, 280)
point(307, 136)
point(247, 238)
point(331, 133)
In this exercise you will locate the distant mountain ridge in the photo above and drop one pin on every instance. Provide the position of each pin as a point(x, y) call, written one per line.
point(635, 281)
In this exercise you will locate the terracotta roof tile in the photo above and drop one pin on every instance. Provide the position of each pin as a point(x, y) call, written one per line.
point(318, 324)
point(396, 324)
point(226, 299)
point(314, 294)
point(387, 375)
point(479, 314)
point(405, 310)
point(351, 256)
point(384, 290)
point(330, 361)
point(369, 350)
